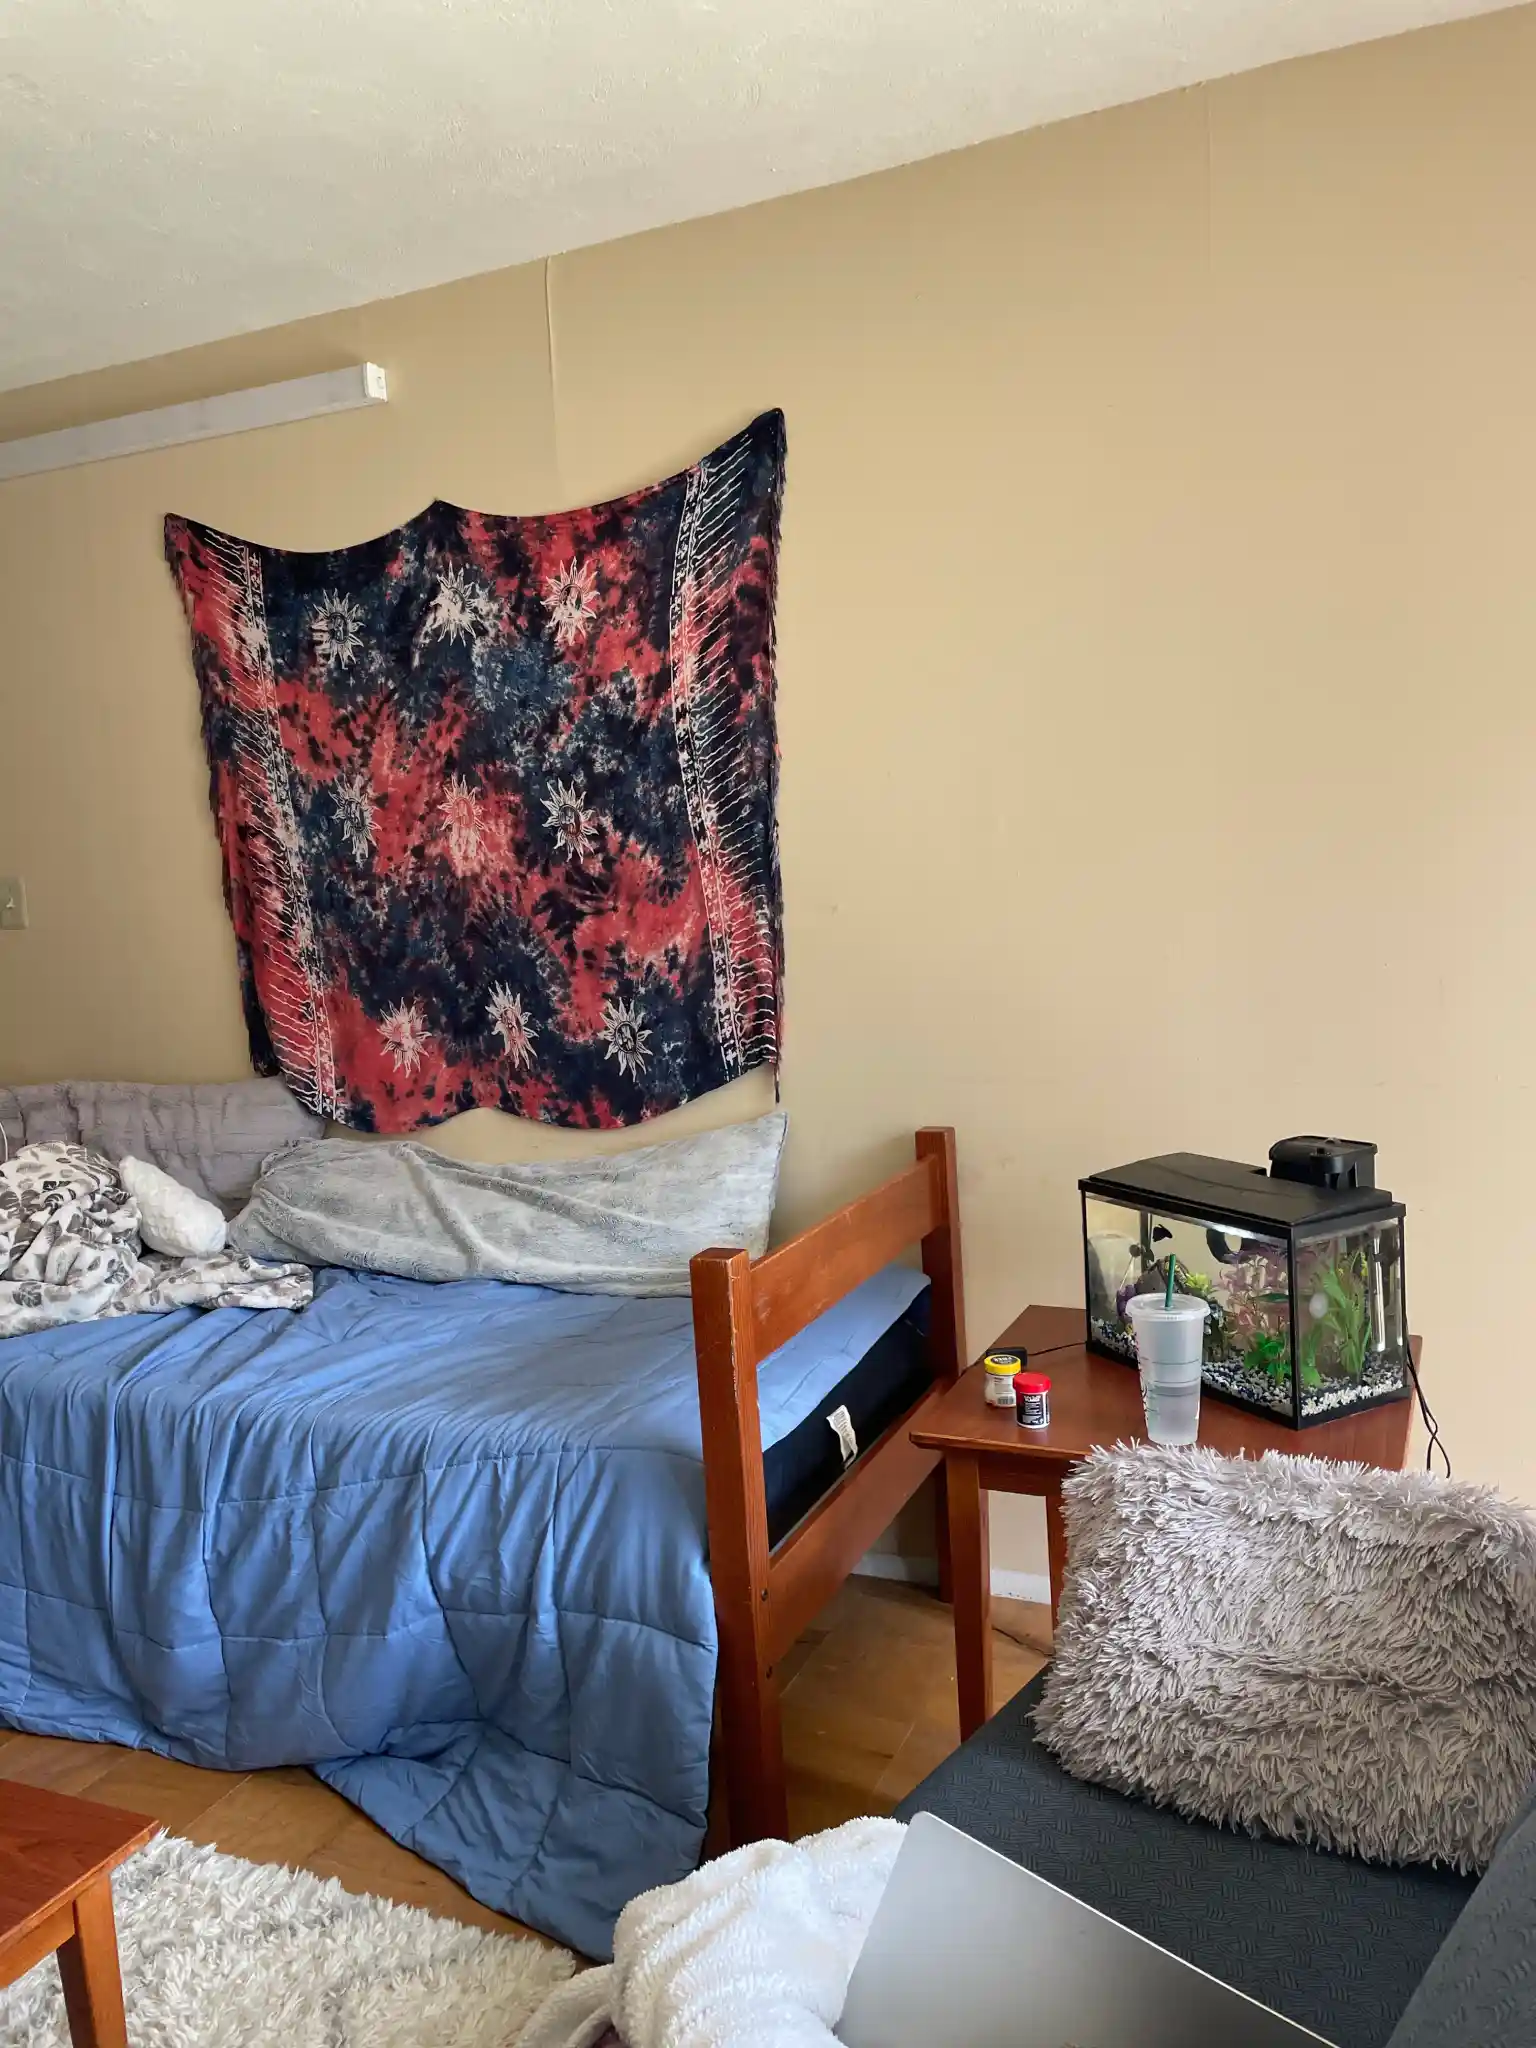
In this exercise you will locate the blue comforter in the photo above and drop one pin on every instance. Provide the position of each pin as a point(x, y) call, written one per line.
point(446, 1544)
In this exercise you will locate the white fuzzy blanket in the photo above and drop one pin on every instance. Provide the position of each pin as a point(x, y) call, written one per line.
point(70, 1251)
point(755, 1948)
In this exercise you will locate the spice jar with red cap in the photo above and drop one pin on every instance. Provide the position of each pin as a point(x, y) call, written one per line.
point(1032, 1393)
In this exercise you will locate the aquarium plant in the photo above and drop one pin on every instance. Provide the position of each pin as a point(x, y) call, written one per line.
point(1337, 1306)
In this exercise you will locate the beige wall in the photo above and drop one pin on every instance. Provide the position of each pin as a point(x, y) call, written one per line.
point(1196, 438)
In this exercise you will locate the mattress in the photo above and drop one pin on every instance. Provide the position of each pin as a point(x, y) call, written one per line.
point(841, 1424)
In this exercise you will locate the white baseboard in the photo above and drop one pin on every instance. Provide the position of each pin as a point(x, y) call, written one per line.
point(1021, 1586)
point(910, 1571)
point(924, 1571)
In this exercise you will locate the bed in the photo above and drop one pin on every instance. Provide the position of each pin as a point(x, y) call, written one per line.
point(495, 1562)
point(767, 1593)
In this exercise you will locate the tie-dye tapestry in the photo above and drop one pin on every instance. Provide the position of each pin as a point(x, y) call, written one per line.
point(496, 799)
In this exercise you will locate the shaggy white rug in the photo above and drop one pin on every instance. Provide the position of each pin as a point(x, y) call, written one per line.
point(219, 1953)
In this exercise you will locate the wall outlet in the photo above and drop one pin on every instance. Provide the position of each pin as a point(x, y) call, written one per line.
point(13, 904)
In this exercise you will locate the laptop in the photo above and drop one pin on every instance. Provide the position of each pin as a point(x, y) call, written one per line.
point(968, 1950)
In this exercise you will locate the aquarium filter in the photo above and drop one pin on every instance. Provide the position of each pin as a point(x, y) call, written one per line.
point(1301, 1268)
point(1325, 1162)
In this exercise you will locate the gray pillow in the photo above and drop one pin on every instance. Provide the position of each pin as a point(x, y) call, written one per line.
point(212, 1136)
point(1329, 1653)
point(627, 1223)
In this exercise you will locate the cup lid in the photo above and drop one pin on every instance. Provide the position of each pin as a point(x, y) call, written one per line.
point(1152, 1308)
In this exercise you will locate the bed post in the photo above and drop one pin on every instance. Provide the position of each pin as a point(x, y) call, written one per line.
point(942, 1263)
point(751, 1742)
point(941, 1259)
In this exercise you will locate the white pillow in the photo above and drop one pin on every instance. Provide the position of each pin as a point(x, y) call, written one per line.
point(171, 1218)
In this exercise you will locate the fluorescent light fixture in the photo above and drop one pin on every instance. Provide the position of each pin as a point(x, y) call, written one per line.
point(204, 419)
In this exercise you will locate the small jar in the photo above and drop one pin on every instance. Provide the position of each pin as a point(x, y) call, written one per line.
point(999, 1369)
point(1032, 1395)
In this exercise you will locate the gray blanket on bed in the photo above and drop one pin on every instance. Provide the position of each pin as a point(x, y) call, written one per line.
point(70, 1251)
point(624, 1224)
point(212, 1136)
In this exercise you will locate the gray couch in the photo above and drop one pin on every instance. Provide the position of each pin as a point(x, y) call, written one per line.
point(1363, 1954)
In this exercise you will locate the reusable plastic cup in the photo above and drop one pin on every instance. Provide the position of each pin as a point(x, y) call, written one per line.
point(1169, 1346)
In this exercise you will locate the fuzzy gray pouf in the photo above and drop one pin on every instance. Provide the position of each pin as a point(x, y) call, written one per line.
point(219, 1953)
point(1331, 1653)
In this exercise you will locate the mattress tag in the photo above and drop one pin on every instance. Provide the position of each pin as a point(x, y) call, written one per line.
point(841, 1424)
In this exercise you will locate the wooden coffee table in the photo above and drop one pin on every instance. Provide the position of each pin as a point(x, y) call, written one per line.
point(1094, 1401)
point(57, 1856)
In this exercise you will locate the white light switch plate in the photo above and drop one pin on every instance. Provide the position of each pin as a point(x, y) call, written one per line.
point(13, 904)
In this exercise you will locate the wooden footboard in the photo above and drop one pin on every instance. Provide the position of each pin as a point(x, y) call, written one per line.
point(743, 1309)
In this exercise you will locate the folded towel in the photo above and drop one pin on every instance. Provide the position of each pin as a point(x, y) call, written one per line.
point(756, 1948)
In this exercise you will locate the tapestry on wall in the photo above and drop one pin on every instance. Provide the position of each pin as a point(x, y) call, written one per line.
point(496, 799)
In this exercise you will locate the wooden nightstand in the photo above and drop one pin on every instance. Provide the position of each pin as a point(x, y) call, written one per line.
point(1093, 1401)
point(57, 1856)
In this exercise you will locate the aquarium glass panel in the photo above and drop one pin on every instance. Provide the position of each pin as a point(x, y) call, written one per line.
point(1351, 1344)
point(1243, 1274)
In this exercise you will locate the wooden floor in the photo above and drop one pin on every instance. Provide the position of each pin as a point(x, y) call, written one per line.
point(869, 1709)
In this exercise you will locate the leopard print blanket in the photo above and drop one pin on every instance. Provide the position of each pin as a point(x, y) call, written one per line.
point(70, 1251)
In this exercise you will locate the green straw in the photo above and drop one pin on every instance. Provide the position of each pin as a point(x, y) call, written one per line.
point(1173, 1266)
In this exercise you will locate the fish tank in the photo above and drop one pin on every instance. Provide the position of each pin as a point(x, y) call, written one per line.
point(1300, 1264)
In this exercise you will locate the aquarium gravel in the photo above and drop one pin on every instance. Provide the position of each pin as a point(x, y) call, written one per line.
point(1232, 1376)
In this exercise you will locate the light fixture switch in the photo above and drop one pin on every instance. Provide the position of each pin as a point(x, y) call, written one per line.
point(13, 904)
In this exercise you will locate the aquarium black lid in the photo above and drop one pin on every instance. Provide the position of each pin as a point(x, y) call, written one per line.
point(1228, 1189)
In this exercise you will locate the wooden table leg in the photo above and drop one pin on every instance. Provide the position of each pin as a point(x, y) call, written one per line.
point(1056, 1546)
point(93, 1989)
point(941, 1532)
point(970, 1563)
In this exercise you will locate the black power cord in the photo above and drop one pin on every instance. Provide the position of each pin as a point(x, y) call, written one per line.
point(1436, 1442)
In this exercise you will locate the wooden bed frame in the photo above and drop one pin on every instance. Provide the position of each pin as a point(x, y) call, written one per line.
point(743, 1309)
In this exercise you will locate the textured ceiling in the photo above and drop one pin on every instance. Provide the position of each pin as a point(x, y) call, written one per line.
point(176, 170)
